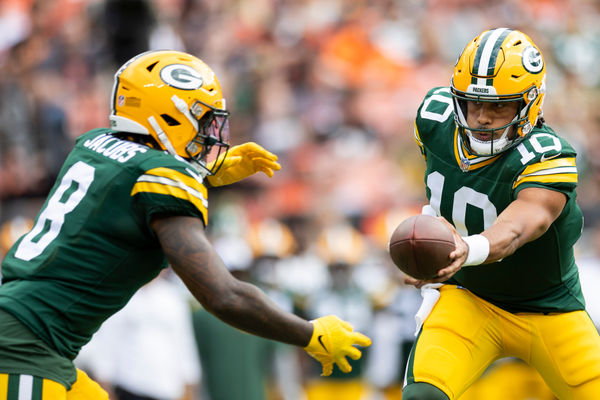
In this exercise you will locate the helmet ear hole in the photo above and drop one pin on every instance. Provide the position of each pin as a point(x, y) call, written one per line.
point(169, 120)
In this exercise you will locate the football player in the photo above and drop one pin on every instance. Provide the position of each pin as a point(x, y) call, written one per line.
point(130, 200)
point(506, 182)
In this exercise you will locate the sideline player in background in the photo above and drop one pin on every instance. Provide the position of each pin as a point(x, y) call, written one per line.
point(506, 182)
point(127, 201)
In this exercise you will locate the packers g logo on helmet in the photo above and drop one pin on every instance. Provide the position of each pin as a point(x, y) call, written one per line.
point(181, 77)
point(175, 98)
point(532, 60)
point(500, 65)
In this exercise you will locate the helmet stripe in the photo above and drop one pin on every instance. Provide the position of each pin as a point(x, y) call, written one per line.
point(495, 51)
point(487, 55)
point(477, 59)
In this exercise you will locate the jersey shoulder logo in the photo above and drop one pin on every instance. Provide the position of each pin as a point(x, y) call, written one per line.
point(544, 157)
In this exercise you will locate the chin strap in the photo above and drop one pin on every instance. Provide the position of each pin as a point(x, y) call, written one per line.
point(162, 136)
point(486, 148)
point(192, 146)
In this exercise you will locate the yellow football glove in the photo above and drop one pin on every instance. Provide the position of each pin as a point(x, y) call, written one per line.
point(242, 161)
point(332, 340)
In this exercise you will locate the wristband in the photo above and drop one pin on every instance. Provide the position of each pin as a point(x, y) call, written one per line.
point(479, 249)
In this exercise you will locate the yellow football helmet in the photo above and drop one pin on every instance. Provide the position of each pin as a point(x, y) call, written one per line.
point(500, 65)
point(175, 98)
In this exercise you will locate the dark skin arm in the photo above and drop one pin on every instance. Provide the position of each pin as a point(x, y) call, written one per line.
point(525, 219)
point(237, 303)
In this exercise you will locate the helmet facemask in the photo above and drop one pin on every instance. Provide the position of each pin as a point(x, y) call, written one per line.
point(503, 137)
point(212, 136)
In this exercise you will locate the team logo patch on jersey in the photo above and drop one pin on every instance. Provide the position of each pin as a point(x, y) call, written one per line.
point(181, 77)
point(532, 60)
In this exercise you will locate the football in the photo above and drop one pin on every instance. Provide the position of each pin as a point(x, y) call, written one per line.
point(420, 246)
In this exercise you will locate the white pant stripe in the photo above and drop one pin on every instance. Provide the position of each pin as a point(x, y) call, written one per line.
point(25, 387)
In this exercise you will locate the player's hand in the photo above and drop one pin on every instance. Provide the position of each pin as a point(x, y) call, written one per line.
point(457, 259)
point(332, 340)
point(409, 280)
point(242, 161)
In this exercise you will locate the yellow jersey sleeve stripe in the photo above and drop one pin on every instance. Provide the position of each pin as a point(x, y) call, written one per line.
point(551, 171)
point(567, 178)
point(555, 170)
point(170, 190)
point(174, 175)
point(158, 184)
point(555, 163)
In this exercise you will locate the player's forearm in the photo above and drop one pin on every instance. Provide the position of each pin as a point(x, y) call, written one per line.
point(244, 306)
point(505, 239)
point(519, 224)
point(237, 303)
point(247, 308)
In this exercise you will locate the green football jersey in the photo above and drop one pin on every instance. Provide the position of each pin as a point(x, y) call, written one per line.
point(471, 191)
point(91, 247)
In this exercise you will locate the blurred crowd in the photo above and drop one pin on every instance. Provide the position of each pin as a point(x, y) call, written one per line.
point(332, 87)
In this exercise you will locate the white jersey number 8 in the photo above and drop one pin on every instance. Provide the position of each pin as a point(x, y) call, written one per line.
point(51, 219)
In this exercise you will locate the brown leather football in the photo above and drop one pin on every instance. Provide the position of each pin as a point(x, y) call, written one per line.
point(420, 246)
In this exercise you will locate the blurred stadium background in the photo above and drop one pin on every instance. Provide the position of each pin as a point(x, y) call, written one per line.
point(332, 87)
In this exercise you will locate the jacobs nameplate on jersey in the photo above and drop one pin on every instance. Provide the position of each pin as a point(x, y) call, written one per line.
point(114, 148)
